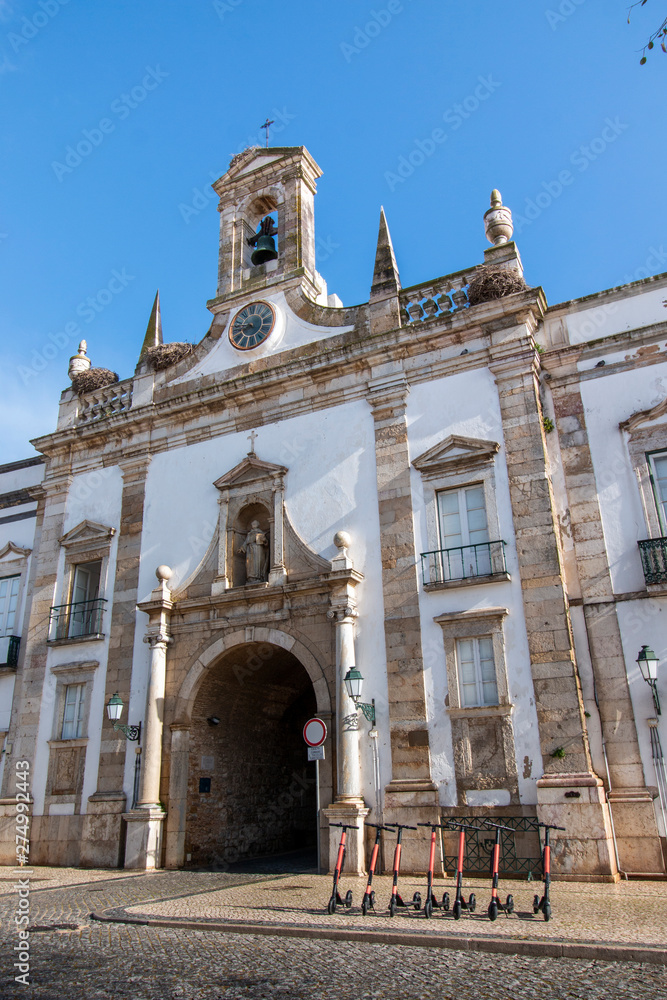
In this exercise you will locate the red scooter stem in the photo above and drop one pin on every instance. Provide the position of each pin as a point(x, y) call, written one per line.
point(369, 895)
point(335, 899)
point(395, 897)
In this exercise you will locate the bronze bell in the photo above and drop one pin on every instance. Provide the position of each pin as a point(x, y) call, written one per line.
point(264, 251)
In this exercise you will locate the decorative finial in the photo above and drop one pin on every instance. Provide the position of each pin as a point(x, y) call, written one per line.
point(498, 223)
point(79, 362)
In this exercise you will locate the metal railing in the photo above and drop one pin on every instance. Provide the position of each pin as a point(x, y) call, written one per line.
point(9, 650)
point(73, 621)
point(463, 562)
point(654, 559)
point(524, 858)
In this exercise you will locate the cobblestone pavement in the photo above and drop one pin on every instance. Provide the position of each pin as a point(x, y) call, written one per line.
point(87, 960)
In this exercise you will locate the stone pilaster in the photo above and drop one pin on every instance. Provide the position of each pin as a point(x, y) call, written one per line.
point(102, 826)
point(635, 825)
point(411, 774)
point(569, 791)
point(29, 682)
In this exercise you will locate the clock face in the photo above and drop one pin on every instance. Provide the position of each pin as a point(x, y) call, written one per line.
point(252, 325)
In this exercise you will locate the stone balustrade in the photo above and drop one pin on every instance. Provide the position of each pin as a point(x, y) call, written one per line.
point(435, 299)
point(105, 402)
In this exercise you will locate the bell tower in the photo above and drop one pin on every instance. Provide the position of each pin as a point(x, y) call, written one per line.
point(267, 213)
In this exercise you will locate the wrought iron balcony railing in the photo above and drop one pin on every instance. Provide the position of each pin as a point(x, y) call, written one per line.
point(9, 650)
point(464, 562)
point(654, 559)
point(73, 621)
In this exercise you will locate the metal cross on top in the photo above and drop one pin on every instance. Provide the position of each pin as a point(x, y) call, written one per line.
point(267, 125)
point(251, 438)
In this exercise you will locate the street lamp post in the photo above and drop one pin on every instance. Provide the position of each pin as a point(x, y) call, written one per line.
point(131, 733)
point(353, 683)
point(648, 664)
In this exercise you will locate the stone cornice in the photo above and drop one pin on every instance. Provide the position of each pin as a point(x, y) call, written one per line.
point(307, 367)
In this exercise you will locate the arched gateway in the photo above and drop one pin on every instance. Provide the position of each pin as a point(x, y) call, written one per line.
point(240, 783)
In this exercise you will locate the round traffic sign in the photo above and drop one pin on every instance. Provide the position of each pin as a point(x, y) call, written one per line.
point(314, 732)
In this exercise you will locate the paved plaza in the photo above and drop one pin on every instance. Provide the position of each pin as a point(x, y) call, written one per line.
point(197, 935)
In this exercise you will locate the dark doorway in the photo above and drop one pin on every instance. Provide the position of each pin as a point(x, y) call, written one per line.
point(251, 790)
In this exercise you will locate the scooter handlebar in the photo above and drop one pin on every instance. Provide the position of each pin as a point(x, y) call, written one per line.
point(345, 826)
point(404, 826)
point(550, 826)
point(380, 826)
point(498, 826)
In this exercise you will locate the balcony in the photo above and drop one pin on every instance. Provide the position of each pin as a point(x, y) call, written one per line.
point(654, 560)
point(464, 564)
point(9, 650)
point(76, 621)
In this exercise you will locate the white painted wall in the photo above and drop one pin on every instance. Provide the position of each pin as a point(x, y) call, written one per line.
point(330, 486)
point(467, 404)
point(603, 318)
point(95, 496)
point(290, 331)
point(607, 401)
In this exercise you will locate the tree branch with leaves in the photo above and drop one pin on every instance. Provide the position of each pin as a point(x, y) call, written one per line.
point(659, 35)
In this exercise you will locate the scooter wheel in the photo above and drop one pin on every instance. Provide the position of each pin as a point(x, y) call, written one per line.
point(364, 904)
point(331, 908)
point(348, 899)
point(392, 906)
point(509, 904)
point(493, 910)
point(445, 901)
point(472, 902)
point(428, 909)
point(536, 904)
point(547, 911)
point(372, 897)
point(456, 909)
point(417, 901)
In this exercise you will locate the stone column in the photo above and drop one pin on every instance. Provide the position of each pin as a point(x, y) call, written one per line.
point(222, 581)
point(143, 846)
point(348, 806)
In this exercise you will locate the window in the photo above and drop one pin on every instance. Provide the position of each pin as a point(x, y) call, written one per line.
point(9, 594)
point(658, 464)
point(464, 534)
point(477, 672)
point(73, 714)
point(85, 610)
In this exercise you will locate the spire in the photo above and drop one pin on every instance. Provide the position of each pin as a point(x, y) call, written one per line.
point(154, 329)
point(386, 281)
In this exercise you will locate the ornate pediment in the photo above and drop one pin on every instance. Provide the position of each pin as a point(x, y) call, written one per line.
point(643, 418)
point(13, 552)
point(249, 471)
point(455, 454)
point(88, 533)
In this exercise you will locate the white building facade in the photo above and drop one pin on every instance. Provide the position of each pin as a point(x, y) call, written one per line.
point(444, 489)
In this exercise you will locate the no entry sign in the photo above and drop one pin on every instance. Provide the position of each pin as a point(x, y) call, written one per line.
point(314, 732)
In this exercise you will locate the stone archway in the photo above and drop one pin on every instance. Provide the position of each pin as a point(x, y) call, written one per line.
point(240, 783)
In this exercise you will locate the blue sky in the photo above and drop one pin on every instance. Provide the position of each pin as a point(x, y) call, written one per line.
point(546, 101)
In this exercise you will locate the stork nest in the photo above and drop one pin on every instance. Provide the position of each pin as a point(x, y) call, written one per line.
point(94, 378)
point(164, 355)
point(491, 283)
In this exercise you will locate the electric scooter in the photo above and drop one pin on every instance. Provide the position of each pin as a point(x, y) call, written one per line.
point(459, 902)
point(396, 899)
point(368, 902)
point(430, 902)
point(495, 904)
point(544, 904)
point(340, 861)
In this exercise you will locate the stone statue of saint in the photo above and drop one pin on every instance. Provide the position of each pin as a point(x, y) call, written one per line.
point(256, 551)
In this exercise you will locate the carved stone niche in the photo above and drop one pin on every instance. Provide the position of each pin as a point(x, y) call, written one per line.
point(253, 491)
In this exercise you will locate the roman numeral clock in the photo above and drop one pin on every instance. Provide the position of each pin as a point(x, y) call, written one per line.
point(252, 325)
